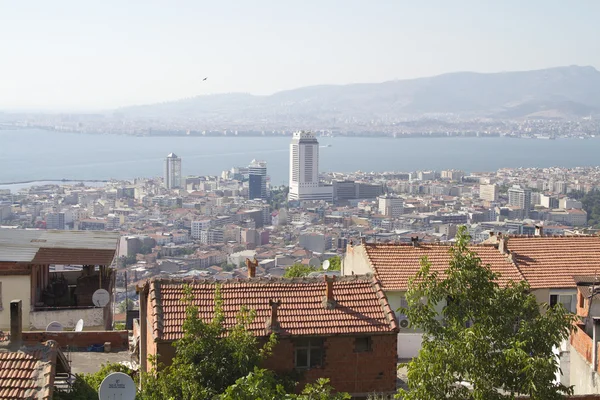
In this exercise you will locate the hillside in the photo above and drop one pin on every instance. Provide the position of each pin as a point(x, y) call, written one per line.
point(562, 92)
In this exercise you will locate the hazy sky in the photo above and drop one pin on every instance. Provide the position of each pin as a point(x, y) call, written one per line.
point(86, 54)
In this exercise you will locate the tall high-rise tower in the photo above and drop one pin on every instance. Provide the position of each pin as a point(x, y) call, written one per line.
point(172, 172)
point(304, 169)
point(257, 180)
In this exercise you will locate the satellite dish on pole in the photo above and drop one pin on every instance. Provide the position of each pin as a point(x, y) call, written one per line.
point(326, 265)
point(79, 326)
point(314, 262)
point(54, 326)
point(117, 386)
point(100, 298)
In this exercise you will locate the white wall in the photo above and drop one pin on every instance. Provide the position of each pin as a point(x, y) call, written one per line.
point(16, 287)
point(355, 262)
point(92, 318)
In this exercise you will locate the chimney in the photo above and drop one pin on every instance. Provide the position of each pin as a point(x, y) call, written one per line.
point(251, 267)
point(328, 301)
point(16, 324)
point(539, 230)
point(272, 323)
point(503, 244)
point(415, 241)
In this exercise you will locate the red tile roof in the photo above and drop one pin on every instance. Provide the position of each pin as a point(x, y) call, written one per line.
point(394, 264)
point(361, 306)
point(28, 373)
point(552, 261)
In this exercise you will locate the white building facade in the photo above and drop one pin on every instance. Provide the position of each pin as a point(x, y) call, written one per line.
point(304, 169)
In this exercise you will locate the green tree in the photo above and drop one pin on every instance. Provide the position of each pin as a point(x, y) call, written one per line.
point(264, 385)
point(85, 386)
point(493, 339)
point(209, 358)
point(122, 307)
point(591, 204)
point(335, 263)
point(299, 270)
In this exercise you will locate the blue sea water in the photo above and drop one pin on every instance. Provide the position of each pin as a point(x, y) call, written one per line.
point(31, 154)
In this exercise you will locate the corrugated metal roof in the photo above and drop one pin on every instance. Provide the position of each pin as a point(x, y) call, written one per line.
point(22, 245)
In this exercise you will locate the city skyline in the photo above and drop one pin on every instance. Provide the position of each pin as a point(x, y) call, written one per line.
point(265, 47)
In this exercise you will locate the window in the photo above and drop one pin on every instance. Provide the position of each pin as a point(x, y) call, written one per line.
point(362, 344)
point(309, 353)
point(581, 300)
point(565, 299)
point(403, 304)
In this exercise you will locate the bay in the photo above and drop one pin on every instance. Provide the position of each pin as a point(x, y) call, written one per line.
point(32, 154)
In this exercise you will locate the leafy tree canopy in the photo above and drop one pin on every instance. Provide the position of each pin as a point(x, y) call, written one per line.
point(299, 270)
point(490, 342)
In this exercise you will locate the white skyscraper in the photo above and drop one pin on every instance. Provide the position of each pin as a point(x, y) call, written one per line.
point(304, 169)
point(172, 172)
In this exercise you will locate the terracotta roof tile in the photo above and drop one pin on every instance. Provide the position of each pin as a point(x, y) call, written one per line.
point(361, 305)
point(395, 264)
point(552, 261)
point(28, 373)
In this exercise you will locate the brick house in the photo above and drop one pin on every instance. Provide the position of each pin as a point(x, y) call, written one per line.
point(342, 329)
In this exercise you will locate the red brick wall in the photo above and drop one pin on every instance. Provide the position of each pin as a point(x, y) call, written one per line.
point(582, 343)
point(582, 311)
point(13, 268)
point(348, 371)
point(81, 340)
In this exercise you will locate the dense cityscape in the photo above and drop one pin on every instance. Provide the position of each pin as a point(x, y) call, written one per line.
point(209, 225)
point(270, 200)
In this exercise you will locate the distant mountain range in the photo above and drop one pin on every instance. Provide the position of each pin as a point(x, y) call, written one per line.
point(562, 92)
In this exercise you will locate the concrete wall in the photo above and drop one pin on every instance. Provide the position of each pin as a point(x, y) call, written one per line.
point(92, 318)
point(355, 262)
point(583, 378)
point(15, 287)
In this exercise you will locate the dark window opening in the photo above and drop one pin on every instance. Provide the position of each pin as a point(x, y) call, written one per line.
point(581, 301)
point(553, 300)
point(363, 344)
point(309, 353)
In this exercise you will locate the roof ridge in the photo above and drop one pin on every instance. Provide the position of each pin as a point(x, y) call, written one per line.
point(390, 315)
point(423, 244)
point(257, 280)
point(154, 294)
point(570, 236)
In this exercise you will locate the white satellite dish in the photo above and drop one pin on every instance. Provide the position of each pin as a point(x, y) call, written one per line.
point(100, 298)
point(54, 326)
point(326, 265)
point(79, 326)
point(117, 386)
